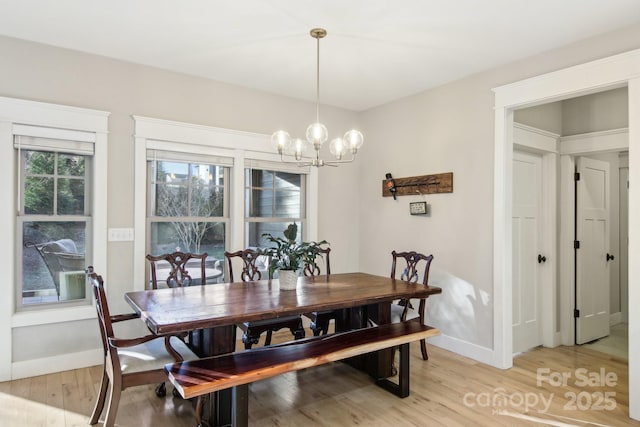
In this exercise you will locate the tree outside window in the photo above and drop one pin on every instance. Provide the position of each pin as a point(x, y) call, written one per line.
point(188, 208)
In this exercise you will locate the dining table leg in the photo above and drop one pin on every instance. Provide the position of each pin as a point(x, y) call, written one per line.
point(230, 407)
point(378, 364)
point(227, 407)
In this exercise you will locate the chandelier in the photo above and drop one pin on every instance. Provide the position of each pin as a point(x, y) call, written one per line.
point(317, 133)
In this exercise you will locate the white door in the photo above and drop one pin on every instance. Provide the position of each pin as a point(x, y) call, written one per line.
point(592, 233)
point(527, 188)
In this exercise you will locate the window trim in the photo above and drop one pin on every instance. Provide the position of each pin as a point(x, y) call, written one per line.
point(158, 134)
point(17, 112)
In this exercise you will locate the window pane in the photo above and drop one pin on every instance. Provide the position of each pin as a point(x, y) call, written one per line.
point(287, 204)
point(188, 189)
point(274, 194)
point(255, 230)
point(38, 196)
point(53, 261)
point(206, 201)
point(195, 237)
point(261, 178)
point(39, 162)
point(174, 172)
point(288, 180)
point(261, 203)
point(171, 200)
point(70, 165)
point(70, 196)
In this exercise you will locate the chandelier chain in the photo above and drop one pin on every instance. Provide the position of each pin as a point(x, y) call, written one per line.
point(317, 79)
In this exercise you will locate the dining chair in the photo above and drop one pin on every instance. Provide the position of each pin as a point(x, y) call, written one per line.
point(129, 362)
point(175, 265)
point(320, 319)
point(251, 271)
point(404, 309)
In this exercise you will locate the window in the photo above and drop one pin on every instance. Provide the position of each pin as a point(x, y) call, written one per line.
point(233, 152)
point(273, 199)
point(188, 209)
point(54, 219)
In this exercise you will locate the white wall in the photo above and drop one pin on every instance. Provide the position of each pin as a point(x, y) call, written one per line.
point(546, 117)
point(597, 112)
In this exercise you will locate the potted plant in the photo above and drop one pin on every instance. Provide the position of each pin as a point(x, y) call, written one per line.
point(288, 256)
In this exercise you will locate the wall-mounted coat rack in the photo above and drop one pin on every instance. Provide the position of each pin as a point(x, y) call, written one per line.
point(425, 184)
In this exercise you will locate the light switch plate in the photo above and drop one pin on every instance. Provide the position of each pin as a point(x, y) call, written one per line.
point(121, 234)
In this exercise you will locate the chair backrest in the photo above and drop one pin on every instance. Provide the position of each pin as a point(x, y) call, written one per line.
point(251, 261)
point(410, 273)
point(310, 270)
point(104, 317)
point(177, 273)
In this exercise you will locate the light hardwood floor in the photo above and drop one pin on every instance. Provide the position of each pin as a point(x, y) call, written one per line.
point(446, 390)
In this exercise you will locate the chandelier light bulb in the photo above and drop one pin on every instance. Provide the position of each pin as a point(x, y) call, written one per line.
point(338, 148)
point(299, 148)
point(317, 134)
point(354, 140)
point(281, 141)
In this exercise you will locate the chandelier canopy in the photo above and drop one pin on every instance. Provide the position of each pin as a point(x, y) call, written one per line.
point(317, 133)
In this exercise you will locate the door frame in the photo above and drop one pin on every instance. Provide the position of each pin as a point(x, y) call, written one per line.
point(596, 76)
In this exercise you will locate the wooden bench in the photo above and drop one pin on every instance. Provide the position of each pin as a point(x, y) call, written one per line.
point(199, 377)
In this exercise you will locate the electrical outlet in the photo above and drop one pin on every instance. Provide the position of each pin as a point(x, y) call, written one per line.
point(121, 234)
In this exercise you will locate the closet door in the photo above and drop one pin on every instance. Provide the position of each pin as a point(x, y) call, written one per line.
point(526, 222)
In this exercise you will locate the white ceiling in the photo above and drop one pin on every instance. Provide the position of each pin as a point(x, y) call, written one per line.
point(375, 51)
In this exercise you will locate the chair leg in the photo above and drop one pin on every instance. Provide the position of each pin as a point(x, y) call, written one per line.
point(325, 325)
point(423, 348)
point(267, 340)
point(161, 390)
point(114, 400)
point(102, 395)
point(423, 342)
point(248, 339)
point(199, 409)
point(298, 331)
point(315, 328)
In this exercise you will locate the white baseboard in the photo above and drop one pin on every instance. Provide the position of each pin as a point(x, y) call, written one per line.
point(464, 348)
point(49, 365)
point(615, 318)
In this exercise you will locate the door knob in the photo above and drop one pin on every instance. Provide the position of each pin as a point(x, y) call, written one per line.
point(610, 257)
point(541, 259)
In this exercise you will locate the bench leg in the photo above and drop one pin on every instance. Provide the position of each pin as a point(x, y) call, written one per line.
point(402, 388)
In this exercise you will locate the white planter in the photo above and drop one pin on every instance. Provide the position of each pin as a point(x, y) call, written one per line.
point(288, 279)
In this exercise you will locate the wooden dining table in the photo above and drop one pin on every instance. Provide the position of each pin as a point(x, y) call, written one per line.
point(216, 309)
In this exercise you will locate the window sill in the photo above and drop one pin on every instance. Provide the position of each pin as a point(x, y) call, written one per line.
point(52, 315)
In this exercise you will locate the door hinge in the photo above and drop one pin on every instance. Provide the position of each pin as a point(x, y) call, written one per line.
point(576, 176)
point(576, 244)
point(576, 313)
